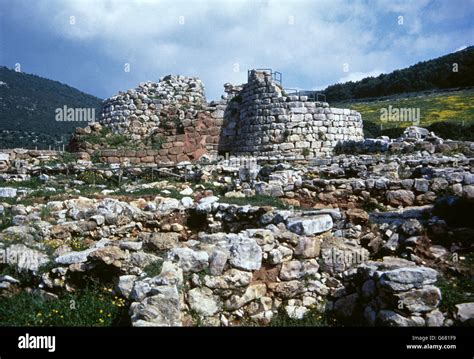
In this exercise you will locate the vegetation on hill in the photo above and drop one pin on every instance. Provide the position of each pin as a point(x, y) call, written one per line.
point(28, 103)
point(448, 114)
point(426, 75)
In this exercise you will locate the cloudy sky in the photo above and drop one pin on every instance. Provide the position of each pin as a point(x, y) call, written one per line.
point(90, 44)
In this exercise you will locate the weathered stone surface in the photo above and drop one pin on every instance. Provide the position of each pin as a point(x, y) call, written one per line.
point(357, 216)
point(233, 278)
point(420, 300)
point(392, 319)
point(190, 260)
point(407, 278)
point(253, 291)
point(338, 255)
point(159, 241)
point(161, 309)
point(310, 225)
point(110, 255)
point(400, 197)
point(291, 270)
point(205, 204)
point(465, 313)
point(203, 302)
point(307, 247)
point(246, 254)
point(217, 261)
point(25, 259)
point(125, 285)
point(288, 289)
point(8, 192)
point(435, 318)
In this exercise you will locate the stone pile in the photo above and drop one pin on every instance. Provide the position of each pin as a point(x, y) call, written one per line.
point(218, 263)
point(414, 138)
point(393, 292)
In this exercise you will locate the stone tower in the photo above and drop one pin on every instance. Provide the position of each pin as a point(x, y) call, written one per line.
point(261, 120)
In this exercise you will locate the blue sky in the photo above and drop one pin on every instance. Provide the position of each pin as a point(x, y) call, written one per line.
point(313, 43)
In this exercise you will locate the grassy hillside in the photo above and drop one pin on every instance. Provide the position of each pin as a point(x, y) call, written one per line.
point(455, 107)
point(28, 104)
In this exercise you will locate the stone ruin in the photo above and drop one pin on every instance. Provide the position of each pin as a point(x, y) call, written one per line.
point(170, 121)
point(261, 120)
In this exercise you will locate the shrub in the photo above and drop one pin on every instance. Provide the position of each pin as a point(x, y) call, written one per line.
point(371, 130)
point(45, 213)
point(394, 132)
point(117, 140)
point(88, 307)
point(157, 142)
point(6, 219)
point(90, 177)
point(153, 269)
point(455, 291)
point(95, 157)
point(452, 131)
point(67, 157)
point(237, 99)
point(77, 244)
point(311, 319)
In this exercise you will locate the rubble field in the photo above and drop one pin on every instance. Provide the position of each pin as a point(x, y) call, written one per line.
point(379, 236)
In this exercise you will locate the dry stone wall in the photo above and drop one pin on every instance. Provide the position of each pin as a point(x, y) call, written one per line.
point(138, 110)
point(171, 121)
point(165, 121)
point(261, 120)
point(19, 157)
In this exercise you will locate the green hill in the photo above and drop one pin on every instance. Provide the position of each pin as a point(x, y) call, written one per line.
point(449, 113)
point(28, 104)
point(426, 75)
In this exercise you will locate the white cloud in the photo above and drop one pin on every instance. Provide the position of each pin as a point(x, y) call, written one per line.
point(460, 48)
point(356, 76)
point(309, 41)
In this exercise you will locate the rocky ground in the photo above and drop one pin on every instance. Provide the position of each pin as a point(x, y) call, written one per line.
point(374, 238)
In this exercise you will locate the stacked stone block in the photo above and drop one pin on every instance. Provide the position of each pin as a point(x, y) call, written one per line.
point(270, 124)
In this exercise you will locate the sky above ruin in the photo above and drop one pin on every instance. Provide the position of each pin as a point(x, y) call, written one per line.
point(102, 47)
